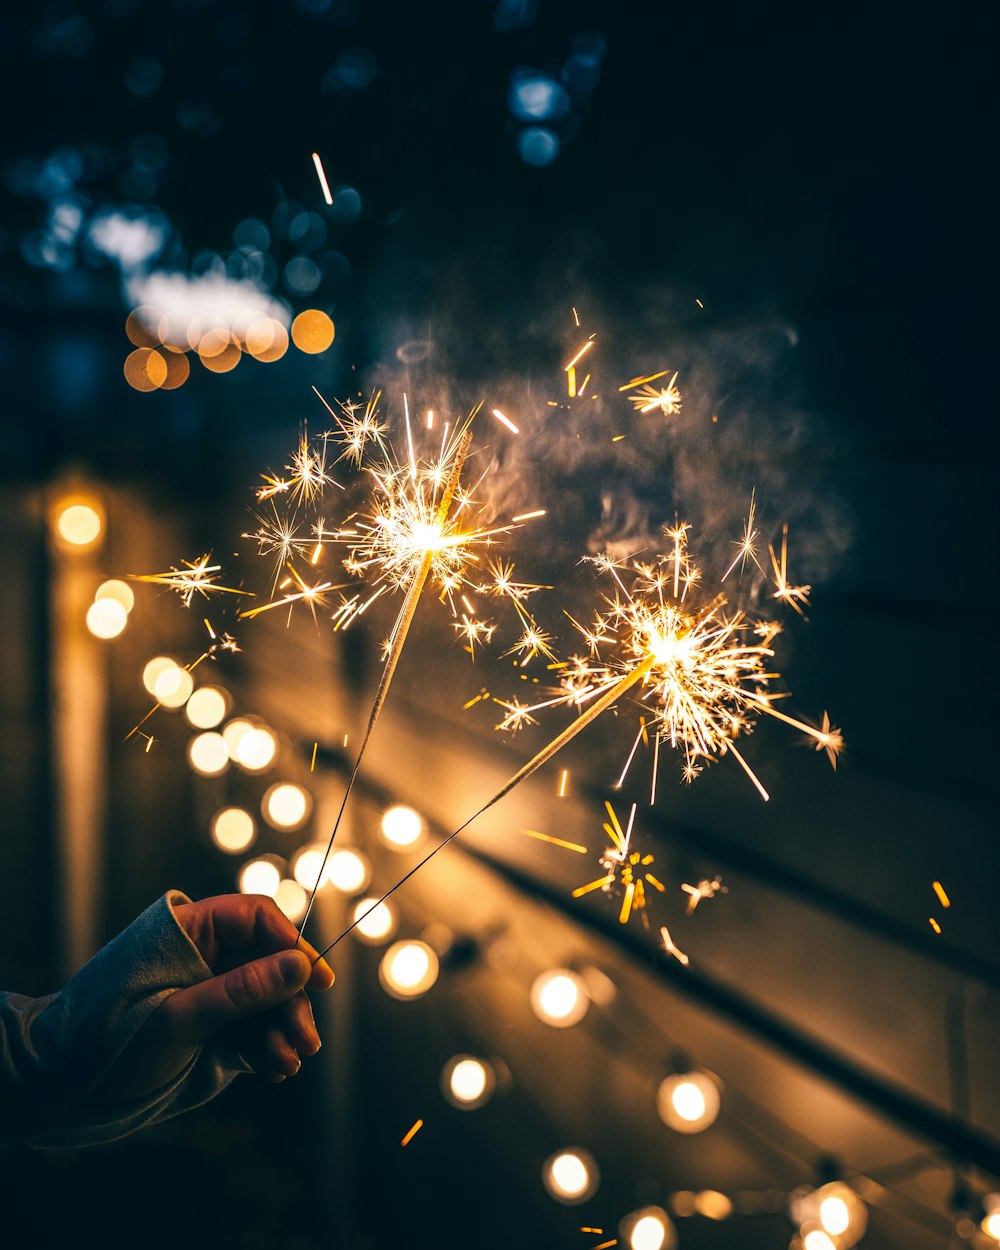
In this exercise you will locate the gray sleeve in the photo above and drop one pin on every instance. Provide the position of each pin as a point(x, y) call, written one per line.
point(54, 1050)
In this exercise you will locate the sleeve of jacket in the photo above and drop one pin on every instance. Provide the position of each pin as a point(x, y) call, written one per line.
point(54, 1050)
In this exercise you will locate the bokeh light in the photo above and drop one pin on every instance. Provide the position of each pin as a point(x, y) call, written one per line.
point(106, 618)
point(571, 1176)
point(649, 1228)
point(312, 331)
point(233, 829)
point(151, 672)
point(78, 525)
point(255, 749)
point(408, 969)
point(266, 340)
point(559, 998)
point(467, 1082)
point(260, 876)
point(401, 828)
point(379, 921)
point(688, 1102)
point(207, 708)
point(208, 754)
point(120, 591)
point(347, 870)
point(173, 686)
point(286, 805)
point(145, 369)
point(291, 898)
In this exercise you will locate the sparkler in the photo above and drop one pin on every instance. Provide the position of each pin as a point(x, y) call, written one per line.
point(623, 867)
point(196, 577)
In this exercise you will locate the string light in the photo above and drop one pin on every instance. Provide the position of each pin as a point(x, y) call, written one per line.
point(688, 1102)
point(260, 876)
point(286, 805)
point(379, 922)
point(408, 969)
point(832, 1211)
point(106, 618)
point(153, 669)
point(402, 828)
point(571, 1176)
point(173, 686)
point(78, 524)
point(255, 749)
point(291, 898)
point(648, 1229)
point(347, 870)
point(233, 830)
point(467, 1082)
point(208, 754)
point(121, 592)
point(559, 998)
point(207, 707)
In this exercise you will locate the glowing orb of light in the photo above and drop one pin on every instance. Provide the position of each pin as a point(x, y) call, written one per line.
point(106, 618)
point(347, 870)
point(208, 754)
point(408, 969)
point(312, 331)
point(559, 998)
point(151, 673)
point(379, 920)
point(286, 805)
point(467, 1082)
point(648, 1229)
point(120, 591)
point(571, 1176)
point(255, 749)
point(402, 828)
point(79, 524)
point(233, 829)
point(260, 876)
point(688, 1102)
point(291, 898)
point(207, 708)
point(816, 1239)
point(173, 686)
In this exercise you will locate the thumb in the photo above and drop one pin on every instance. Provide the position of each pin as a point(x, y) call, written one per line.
point(244, 991)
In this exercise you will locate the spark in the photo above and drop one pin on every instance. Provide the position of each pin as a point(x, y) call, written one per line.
point(196, 577)
point(547, 837)
point(354, 431)
point(934, 924)
point(281, 537)
point(671, 948)
point(411, 1133)
point(504, 420)
point(939, 890)
point(745, 548)
point(580, 354)
point(623, 868)
point(321, 175)
point(706, 667)
point(667, 398)
point(563, 779)
point(529, 516)
point(312, 762)
point(704, 889)
point(795, 596)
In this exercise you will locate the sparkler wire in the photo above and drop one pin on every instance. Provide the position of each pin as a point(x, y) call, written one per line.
point(610, 696)
point(403, 621)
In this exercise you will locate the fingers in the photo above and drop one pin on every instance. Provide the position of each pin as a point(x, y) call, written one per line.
point(275, 1045)
point(229, 924)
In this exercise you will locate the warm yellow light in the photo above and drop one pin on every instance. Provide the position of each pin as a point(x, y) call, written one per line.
point(232, 829)
point(713, 1205)
point(291, 898)
point(286, 806)
point(173, 686)
point(208, 754)
point(312, 331)
point(307, 864)
point(145, 369)
point(816, 1239)
point(260, 876)
point(559, 998)
point(233, 733)
point(223, 353)
point(206, 708)
point(991, 1225)
point(120, 591)
point(648, 1229)
point(106, 618)
point(408, 969)
point(266, 340)
point(151, 673)
point(402, 828)
point(688, 1102)
point(467, 1082)
point(834, 1215)
point(79, 524)
point(571, 1176)
point(255, 750)
point(379, 923)
point(347, 870)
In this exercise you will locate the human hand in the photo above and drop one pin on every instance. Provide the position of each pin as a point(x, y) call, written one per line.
point(255, 1004)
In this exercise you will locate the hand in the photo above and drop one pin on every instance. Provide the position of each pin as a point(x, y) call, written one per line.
point(255, 1004)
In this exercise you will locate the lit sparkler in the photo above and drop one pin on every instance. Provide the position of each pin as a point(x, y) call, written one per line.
point(704, 889)
point(195, 577)
point(623, 867)
point(667, 398)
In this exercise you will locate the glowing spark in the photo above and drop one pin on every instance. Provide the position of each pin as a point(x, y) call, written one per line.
point(699, 303)
point(505, 421)
point(196, 577)
point(563, 779)
point(483, 694)
point(704, 889)
point(745, 548)
point(412, 1133)
point(546, 837)
point(706, 668)
point(934, 924)
point(623, 868)
point(321, 175)
point(529, 516)
point(670, 948)
point(310, 595)
point(794, 596)
point(571, 382)
point(667, 398)
point(606, 1245)
point(939, 890)
point(576, 317)
point(312, 762)
point(580, 354)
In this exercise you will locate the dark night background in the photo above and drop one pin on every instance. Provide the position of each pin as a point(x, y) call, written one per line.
point(794, 208)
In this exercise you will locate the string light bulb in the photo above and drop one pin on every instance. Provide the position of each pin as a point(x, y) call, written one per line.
point(559, 998)
point(833, 1211)
point(688, 1102)
point(571, 1176)
point(402, 828)
point(375, 922)
point(467, 1082)
point(286, 805)
point(649, 1228)
point(408, 969)
point(77, 523)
